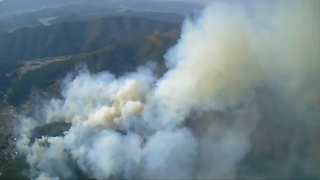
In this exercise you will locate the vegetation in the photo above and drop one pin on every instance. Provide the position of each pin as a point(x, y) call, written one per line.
point(76, 37)
point(7, 75)
point(118, 59)
point(14, 169)
point(159, 16)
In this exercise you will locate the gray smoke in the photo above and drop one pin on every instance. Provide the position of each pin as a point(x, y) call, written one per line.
point(239, 86)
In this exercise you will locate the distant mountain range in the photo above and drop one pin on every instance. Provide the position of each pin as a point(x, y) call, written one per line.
point(118, 44)
point(175, 6)
point(48, 13)
point(77, 37)
point(50, 17)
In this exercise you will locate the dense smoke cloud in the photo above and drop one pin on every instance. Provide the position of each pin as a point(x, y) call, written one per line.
point(233, 77)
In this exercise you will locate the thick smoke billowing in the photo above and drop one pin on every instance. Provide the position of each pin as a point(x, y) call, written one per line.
point(241, 93)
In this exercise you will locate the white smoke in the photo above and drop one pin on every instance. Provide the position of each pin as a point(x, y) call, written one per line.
point(196, 121)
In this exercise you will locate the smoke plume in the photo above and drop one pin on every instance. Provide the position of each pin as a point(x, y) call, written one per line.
point(240, 100)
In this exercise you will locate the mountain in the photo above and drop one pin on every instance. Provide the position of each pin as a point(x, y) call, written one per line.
point(11, 6)
point(181, 7)
point(80, 11)
point(33, 13)
point(118, 59)
point(76, 37)
point(22, 20)
point(160, 16)
point(33, 18)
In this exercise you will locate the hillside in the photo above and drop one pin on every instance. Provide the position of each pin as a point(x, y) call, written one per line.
point(11, 23)
point(181, 7)
point(76, 37)
point(158, 16)
point(7, 76)
point(78, 12)
point(118, 59)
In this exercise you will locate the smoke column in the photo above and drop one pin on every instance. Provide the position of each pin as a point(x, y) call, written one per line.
point(239, 86)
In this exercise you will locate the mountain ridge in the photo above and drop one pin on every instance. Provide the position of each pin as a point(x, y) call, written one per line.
point(76, 37)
